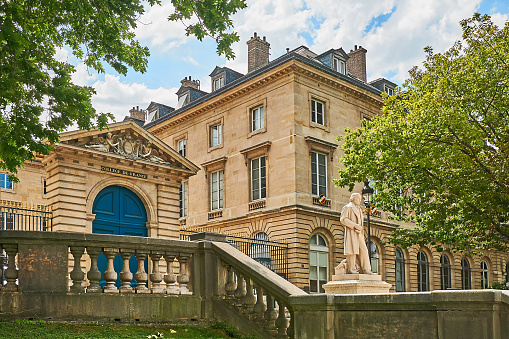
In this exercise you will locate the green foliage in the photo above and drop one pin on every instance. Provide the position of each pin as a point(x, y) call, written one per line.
point(213, 20)
point(37, 97)
point(444, 144)
point(230, 331)
point(499, 286)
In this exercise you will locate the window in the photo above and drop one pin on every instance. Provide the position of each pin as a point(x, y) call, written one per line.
point(422, 272)
point(374, 257)
point(216, 190)
point(388, 90)
point(44, 187)
point(339, 65)
point(317, 112)
point(465, 274)
point(318, 263)
point(400, 270)
point(4, 181)
point(485, 275)
point(181, 147)
point(260, 250)
point(217, 83)
point(257, 119)
point(183, 100)
point(398, 208)
point(183, 199)
point(318, 173)
point(445, 272)
point(507, 273)
point(258, 179)
point(215, 135)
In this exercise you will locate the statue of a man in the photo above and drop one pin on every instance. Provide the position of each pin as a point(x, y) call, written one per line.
point(355, 249)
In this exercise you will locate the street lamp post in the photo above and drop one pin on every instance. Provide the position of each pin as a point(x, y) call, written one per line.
point(367, 193)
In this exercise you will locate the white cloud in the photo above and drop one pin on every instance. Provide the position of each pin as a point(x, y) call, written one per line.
point(118, 97)
point(83, 75)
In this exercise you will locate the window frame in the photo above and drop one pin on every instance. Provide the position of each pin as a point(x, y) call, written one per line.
point(260, 119)
point(319, 97)
point(388, 90)
point(210, 126)
point(485, 274)
point(182, 151)
point(318, 186)
point(466, 274)
point(221, 83)
point(317, 249)
point(261, 178)
point(401, 262)
point(445, 272)
point(5, 184)
point(375, 257)
point(219, 191)
point(250, 109)
point(422, 272)
point(183, 202)
point(314, 110)
point(337, 62)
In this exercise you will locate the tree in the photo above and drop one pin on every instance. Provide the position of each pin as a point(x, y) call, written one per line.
point(35, 86)
point(440, 150)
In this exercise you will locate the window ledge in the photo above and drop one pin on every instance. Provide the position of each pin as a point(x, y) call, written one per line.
point(213, 148)
point(215, 214)
point(258, 131)
point(326, 204)
point(257, 204)
point(316, 125)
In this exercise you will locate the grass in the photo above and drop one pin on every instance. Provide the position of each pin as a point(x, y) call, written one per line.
point(36, 329)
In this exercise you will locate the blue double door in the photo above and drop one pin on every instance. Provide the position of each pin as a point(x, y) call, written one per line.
point(119, 211)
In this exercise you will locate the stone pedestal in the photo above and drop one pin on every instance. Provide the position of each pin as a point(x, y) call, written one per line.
point(356, 284)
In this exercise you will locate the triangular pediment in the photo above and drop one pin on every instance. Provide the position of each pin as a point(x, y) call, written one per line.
point(129, 140)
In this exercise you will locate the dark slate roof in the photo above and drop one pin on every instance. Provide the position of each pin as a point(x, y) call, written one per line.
point(302, 54)
point(183, 89)
point(218, 70)
point(163, 109)
point(379, 83)
point(138, 121)
point(339, 51)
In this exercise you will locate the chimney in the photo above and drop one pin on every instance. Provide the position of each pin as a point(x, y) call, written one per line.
point(356, 64)
point(257, 53)
point(190, 83)
point(137, 113)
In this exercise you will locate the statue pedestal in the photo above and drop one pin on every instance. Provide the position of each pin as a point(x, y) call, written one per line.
point(356, 284)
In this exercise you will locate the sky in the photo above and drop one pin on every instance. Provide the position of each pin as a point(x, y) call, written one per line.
point(394, 32)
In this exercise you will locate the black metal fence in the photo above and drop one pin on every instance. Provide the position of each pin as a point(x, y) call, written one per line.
point(271, 254)
point(23, 219)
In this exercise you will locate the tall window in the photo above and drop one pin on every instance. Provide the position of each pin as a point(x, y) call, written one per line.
point(374, 257)
point(4, 181)
point(400, 270)
point(216, 190)
point(258, 179)
point(317, 112)
point(183, 199)
point(339, 65)
point(422, 272)
point(181, 147)
point(217, 83)
point(257, 119)
point(215, 135)
point(445, 272)
point(485, 275)
point(318, 263)
point(318, 173)
point(260, 250)
point(466, 283)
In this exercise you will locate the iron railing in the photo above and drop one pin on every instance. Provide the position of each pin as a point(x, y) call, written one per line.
point(24, 219)
point(271, 254)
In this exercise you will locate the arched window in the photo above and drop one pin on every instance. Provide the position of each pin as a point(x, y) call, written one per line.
point(485, 275)
point(465, 274)
point(400, 270)
point(260, 249)
point(445, 272)
point(374, 257)
point(318, 263)
point(422, 272)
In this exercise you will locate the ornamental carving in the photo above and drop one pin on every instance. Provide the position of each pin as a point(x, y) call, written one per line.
point(125, 145)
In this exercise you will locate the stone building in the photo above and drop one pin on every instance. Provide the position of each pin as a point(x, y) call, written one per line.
point(264, 144)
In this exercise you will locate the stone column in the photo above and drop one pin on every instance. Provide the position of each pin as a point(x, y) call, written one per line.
point(110, 276)
point(141, 276)
point(93, 275)
point(126, 276)
point(77, 274)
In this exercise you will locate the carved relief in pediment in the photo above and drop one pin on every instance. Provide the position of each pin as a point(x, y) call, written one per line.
point(124, 144)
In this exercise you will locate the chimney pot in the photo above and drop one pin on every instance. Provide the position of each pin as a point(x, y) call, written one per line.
point(263, 38)
point(287, 50)
point(355, 47)
point(255, 35)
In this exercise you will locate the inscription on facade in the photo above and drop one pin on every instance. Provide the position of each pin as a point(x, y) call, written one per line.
point(123, 172)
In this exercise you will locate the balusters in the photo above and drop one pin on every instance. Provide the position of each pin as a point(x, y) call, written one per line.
point(183, 278)
point(110, 276)
point(93, 275)
point(249, 299)
point(11, 273)
point(281, 321)
point(240, 292)
point(270, 314)
point(141, 276)
point(156, 277)
point(170, 277)
point(77, 274)
point(259, 307)
point(230, 285)
point(126, 276)
point(290, 329)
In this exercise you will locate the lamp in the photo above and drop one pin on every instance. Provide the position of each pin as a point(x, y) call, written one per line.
point(367, 193)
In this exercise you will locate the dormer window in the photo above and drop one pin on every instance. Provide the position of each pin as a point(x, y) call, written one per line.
point(153, 115)
point(389, 90)
point(339, 65)
point(217, 83)
point(183, 100)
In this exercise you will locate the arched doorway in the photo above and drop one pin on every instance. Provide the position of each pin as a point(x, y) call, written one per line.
point(121, 212)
